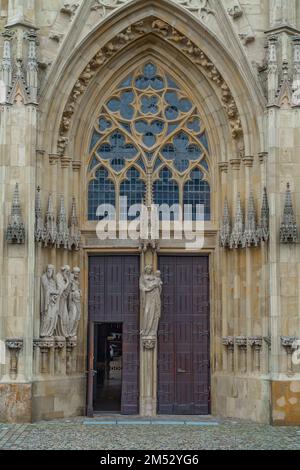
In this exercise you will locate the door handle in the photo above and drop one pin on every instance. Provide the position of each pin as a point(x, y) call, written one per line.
point(181, 371)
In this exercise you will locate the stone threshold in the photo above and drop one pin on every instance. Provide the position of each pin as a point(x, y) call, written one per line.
point(167, 421)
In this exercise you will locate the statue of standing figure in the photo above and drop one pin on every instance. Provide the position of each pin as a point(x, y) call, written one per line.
point(50, 303)
point(74, 303)
point(63, 280)
point(60, 302)
point(151, 289)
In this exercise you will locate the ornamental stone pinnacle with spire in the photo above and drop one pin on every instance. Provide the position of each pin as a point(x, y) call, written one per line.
point(6, 64)
point(264, 228)
point(237, 235)
point(251, 236)
point(289, 230)
point(63, 239)
point(39, 231)
point(50, 236)
point(75, 234)
point(226, 227)
point(16, 230)
point(32, 65)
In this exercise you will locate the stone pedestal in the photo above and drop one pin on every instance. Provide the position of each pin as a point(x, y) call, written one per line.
point(148, 379)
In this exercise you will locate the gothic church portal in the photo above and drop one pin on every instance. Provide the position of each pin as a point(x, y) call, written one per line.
point(175, 103)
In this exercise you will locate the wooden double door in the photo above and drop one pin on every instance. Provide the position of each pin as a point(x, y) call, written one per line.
point(114, 298)
point(183, 337)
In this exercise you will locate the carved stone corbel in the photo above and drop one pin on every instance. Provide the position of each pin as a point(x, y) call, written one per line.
point(149, 342)
point(255, 343)
point(14, 346)
point(235, 11)
point(289, 343)
point(228, 342)
point(69, 9)
point(241, 342)
point(45, 345)
point(59, 345)
point(71, 345)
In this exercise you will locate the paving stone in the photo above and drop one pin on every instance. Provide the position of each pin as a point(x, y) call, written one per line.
point(75, 434)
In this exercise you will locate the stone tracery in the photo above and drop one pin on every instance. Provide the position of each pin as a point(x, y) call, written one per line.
point(150, 126)
point(174, 37)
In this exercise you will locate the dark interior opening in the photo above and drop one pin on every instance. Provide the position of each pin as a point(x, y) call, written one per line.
point(108, 367)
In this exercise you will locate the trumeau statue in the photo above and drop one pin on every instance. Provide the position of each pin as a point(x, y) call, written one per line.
point(50, 302)
point(60, 302)
point(64, 286)
point(151, 288)
point(74, 303)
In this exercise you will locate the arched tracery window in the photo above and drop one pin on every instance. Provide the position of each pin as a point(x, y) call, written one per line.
point(133, 188)
point(149, 126)
point(101, 191)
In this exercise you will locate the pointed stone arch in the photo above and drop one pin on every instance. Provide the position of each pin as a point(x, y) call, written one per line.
point(243, 106)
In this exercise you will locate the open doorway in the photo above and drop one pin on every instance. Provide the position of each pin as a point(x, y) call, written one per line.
point(108, 367)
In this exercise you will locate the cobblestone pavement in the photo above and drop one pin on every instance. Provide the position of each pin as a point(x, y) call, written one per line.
point(175, 434)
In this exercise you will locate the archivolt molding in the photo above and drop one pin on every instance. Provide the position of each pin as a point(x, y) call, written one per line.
point(123, 39)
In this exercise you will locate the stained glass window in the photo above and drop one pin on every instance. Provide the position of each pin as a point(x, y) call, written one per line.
point(166, 192)
point(133, 188)
point(101, 191)
point(149, 122)
point(197, 193)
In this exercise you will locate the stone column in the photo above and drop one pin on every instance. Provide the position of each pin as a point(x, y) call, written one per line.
point(18, 136)
point(224, 280)
point(265, 271)
point(248, 163)
point(235, 166)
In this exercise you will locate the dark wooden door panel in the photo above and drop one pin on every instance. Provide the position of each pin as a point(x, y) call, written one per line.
point(114, 297)
point(183, 355)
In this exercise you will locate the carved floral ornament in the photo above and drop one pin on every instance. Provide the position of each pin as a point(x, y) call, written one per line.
point(132, 33)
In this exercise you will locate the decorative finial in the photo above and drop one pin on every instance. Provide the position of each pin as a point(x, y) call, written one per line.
point(16, 230)
point(236, 239)
point(62, 226)
point(288, 229)
point(264, 228)
point(39, 230)
point(75, 234)
point(226, 227)
point(50, 235)
point(251, 237)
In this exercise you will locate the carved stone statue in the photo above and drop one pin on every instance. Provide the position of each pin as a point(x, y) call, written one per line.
point(49, 302)
point(151, 288)
point(74, 303)
point(64, 280)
